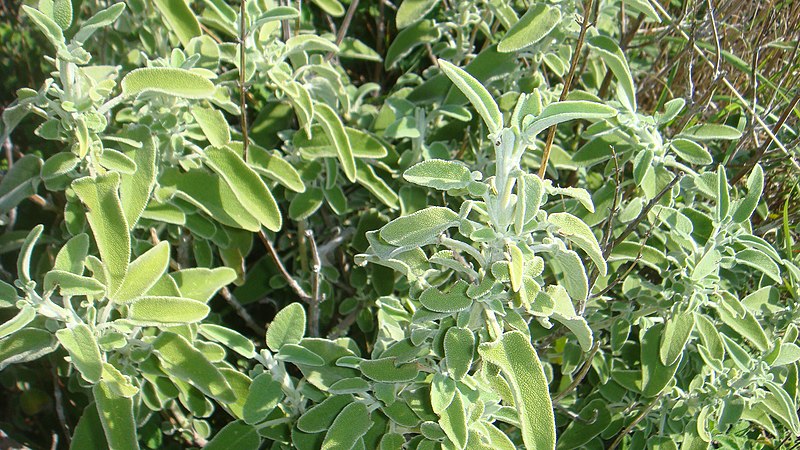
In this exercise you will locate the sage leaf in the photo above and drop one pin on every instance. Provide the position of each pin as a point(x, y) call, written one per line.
point(581, 235)
point(20, 181)
point(320, 417)
point(246, 184)
point(143, 273)
point(229, 338)
point(116, 416)
point(423, 32)
point(755, 186)
point(26, 345)
point(676, 334)
point(439, 174)
point(419, 228)
point(180, 18)
point(459, 346)
point(201, 284)
point(288, 327)
point(79, 340)
point(615, 59)
point(518, 361)
point(135, 189)
point(235, 435)
point(299, 355)
point(182, 361)
point(597, 416)
point(711, 131)
point(168, 81)
point(264, 395)
point(26, 252)
point(85, 435)
point(348, 427)
point(691, 152)
point(148, 310)
point(456, 299)
point(332, 7)
point(100, 197)
point(746, 326)
point(385, 370)
point(761, 262)
point(334, 129)
point(655, 375)
point(412, 11)
point(567, 110)
point(443, 390)
point(476, 93)
point(274, 167)
point(72, 255)
point(213, 124)
point(453, 421)
point(531, 28)
point(100, 19)
point(23, 317)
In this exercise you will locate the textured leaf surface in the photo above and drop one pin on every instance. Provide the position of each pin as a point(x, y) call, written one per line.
point(519, 363)
point(235, 435)
point(84, 352)
point(116, 416)
point(213, 124)
point(531, 28)
point(579, 233)
point(288, 327)
point(411, 11)
point(264, 395)
point(655, 375)
point(25, 345)
point(419, 228)
point(180, 19)
point(459, 345)
point(476, 93)
point(167, 80)
point(454, 300)
point(350, 425)
point(439, 174)
point(182, 361)
point(334, 129)
point(201, 284)
point(163, 310)
point(676, 335)
point(143, 273)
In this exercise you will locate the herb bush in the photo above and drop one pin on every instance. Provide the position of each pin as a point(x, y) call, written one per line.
point(455, 224)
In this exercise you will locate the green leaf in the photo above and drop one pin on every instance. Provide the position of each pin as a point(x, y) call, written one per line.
point(20, 182)
point(745, 325)
point(25, 253)
point(105, 216)
point(531, 28)
point(59, 164)
point(375, 185)
point(299, 355)
point(288, 327)
point(412, 11)
point(655, 375)
point(574, 278)
point(147, 310)
point(116, 416)
point(79, 340)
point(135, 189)
point(26, 345)
point(615, 59)
point(71, 284)
point(18, 322)
point(213, 124)
point(246, 184)
point(320, 417)
point(201, 284)
point(384, 370)
point(143, 273)
point(567, 110)
point(520, 365)
point(781, 406)
point(710, 131)
point(676, 334)
point(168, 81)
point(48, 27)
point(581, 235)
point(516, 266)
point(99, 20)
point(229, 338)
point(335, 131)
point(275, 167)
point(264, 395)
point(439, 174)
point(364, 145)
point(423, 32)
point(691, 152)
point(597, 418)
point(181, 360)
point(305, 204)
point(235, 435)
point(453, 421)
point(459, 346)
point(759, 261)
point(58, 10)
point(332, 7)
point(117, 161)
point(348, 427)
point(456, 299)
point(419, 228)
point(89, 428)
point(180, 18)
point(480, 98)
point(73, 254)
point(755, 186)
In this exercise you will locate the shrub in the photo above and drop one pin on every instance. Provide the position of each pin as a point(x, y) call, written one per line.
point(463, 223)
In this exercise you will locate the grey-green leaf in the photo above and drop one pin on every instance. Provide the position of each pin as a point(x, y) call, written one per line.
point(116, 416)
point(676, 335)
point(439, 174)
point(169, 81)
point(143, 273)
point(531, 28)
point(334, 129)
point(755, 186)
point(288, 327)
point(235, 435)
point(419, 228)
point(476, 93)
point(579, 233)
point(80, 342)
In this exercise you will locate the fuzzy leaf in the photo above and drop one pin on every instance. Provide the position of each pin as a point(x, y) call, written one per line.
point(163, 310)
point(135, 189)
point(168, 81)
point(419, 228)
point(84, 352)
point(459, 346)
point(334, 129)
point(348, 427)
point(73, 254)
point(520, 365)
point(691, 152)
point(456, 299)
point(655, 375)
point(615, 59)
point(384, 370)
point(320, 417)
point(761, 262)
point(100, 19)
point(201, 284)
point(23, 317)
point(25, 253)
point(453, 421)
point(531, 28)
point(246, 184)
point(676, 335)
point(264, 395)
point(229, 338)
point(235, 435)
point(567, 110)
point(711, 131)
point(116, 416)
point(274, 167)
point(213, 124)
point(182, 361)
point(412, 11)
point(439, 174)
point(180, 18)
point(110, 228)
point(581, 235)
point(443, 390)
point(755, 186)
point(26, 345)
point(480, 98)
point(143, 273)
point(288, 327)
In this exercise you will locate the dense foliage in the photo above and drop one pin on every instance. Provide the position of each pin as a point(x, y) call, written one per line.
point(419, 224)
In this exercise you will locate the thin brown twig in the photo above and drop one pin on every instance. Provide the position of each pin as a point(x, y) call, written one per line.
point(584, 370)
point(551, 133)
point(240, 310)
point(633, 424)
point(285, 273)
point(351, 10)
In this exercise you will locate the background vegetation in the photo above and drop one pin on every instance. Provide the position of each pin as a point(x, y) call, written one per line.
point(584, 239)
